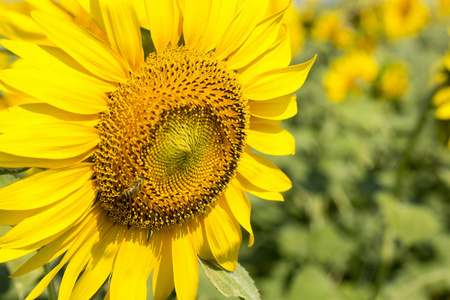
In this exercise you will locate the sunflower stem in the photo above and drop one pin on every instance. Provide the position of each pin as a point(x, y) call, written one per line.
point(51, 286)
point(407, 152)
point(386, 255)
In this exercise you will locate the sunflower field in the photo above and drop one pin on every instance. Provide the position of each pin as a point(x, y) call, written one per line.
point(368, 214)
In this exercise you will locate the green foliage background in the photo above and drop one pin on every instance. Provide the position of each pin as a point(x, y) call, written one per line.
point(368, 214)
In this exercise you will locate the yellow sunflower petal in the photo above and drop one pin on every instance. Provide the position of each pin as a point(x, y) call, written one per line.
point(15, 161)
point(278, 82)
point(78, 261)
point(52, 222)
point(54, 249)
point(38, 260)
point(131, 266)
point(240, 207)
point(15, 24)
point(164, 20)
point(258, 42)
point(71, 5)
point(93, 8)
point(44, 188)
point(42, 285)
point(196, 235)
point(195, 20)
point(251, 13)
point(258, 192)
point(47, 6)
point(141, 13)
point(92, 53)
point(80, 253)
point(54, 59)
point(73, 94)
point(262, 173)
point(38, 114)
point(86, 4)
point(11, 100)
point(85, 19)
point(163, 282)
point(12, 217)
point(85, 240)
point(280, 108)
point(205, 251)
point(10, 254)
point(223, 237)
point(50, 141)
point(278, 56)
point(220, 17)
point(123, 31)
point(98, 269)
point(270, 139)
point(185, 264)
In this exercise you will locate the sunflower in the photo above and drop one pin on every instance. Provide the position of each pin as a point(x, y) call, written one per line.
point(350, 73)
point(393, 81)
point(144, 115)
point(403, 17)
point(329, 27)
point(441, 98)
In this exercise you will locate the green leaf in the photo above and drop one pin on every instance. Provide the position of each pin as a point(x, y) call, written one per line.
point(330, 246)
point(410, 223)
point(274, 286)
point(293, 242)
point(313, 283)
point(418, 281)
point(231, 284)
point(355, 291)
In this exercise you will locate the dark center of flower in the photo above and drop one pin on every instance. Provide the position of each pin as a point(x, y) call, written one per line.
point(170, 140)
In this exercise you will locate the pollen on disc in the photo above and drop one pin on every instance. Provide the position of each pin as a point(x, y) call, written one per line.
point(170, 140)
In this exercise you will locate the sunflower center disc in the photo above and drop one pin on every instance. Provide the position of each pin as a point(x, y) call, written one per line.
point(170, 140)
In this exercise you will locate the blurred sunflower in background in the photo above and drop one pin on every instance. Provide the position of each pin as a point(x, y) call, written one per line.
point(403, 17)
point(144, 123)
point(441, 99)
point(330, 27)
point(393, 81)
point(350, 74)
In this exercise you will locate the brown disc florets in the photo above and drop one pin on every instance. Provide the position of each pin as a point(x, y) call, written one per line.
point(170, 140)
